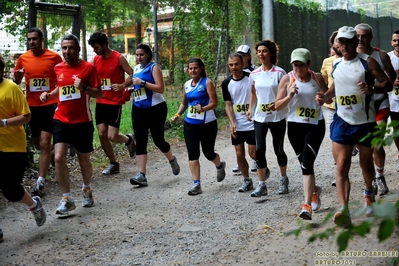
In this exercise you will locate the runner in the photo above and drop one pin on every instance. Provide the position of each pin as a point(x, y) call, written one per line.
point(200, 125)
point(264, 83)
point(365, 35)
point(111, 67)
point(236, 92)
point(77, 81)
point(394, 95)
point(354, 76)
point(149, 113)
point(14, 113)
point(245, 51)
point(306, 126)
point(37, 65)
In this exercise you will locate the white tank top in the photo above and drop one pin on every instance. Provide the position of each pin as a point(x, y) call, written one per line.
point(394, 94)
point(303, 108)
point(379, 96)
point(353, 107)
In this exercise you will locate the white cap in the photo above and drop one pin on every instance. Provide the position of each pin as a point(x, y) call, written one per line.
point(346, 32)
point(244, 49)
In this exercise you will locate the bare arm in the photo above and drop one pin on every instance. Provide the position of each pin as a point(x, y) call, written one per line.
point(282, 98)
point(128, 70)
point(386, 61)
point(158, 86)
point(385, 85)
point(230, 115)
point(182, 107)
point(17, 121)
point(252, 102)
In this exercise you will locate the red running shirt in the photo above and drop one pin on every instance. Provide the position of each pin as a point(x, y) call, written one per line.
point(110, 72)
point(73, 104)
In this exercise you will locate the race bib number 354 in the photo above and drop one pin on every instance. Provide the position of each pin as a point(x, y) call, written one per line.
point(68, 93)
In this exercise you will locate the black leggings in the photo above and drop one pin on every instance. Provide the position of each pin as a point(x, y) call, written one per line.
point(306, 140)
point(11, 174)
point(205, 134)
point(278, 132)
point(152, 119)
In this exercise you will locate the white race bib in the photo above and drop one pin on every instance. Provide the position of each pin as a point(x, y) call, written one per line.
point(69, 92)
point(106, 84)
point(194, 114)
point(351, 103)
point(39, 84)
point(139, 94)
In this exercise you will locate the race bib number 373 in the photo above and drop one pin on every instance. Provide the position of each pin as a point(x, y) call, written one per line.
point(69, 92)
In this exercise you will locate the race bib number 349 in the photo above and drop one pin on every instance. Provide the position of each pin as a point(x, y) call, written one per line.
point(69, 92)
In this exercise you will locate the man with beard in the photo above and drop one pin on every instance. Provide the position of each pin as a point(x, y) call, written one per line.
point(111, 67)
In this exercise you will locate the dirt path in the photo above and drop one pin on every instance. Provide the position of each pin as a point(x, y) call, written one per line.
point(162, 225)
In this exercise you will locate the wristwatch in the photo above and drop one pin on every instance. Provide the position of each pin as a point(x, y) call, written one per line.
point(85, 87)
point(143, 82)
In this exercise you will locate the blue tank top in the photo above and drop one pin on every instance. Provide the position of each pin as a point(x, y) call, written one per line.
point(143, 97)
point(197, 95)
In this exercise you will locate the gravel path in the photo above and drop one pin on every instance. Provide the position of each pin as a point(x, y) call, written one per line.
point(162, 225)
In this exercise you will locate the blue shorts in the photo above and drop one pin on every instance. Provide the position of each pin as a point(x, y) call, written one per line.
point(344, 133)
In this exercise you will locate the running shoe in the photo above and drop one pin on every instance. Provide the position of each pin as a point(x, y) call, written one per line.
point(254, 166)
point(261, 190)
point(247, 185)
point(221, 173)
point(342, 219)
point(132, 146)
point(139, 180)
point(236, 169)
point(382, 185)
point(38, 212)
point(316, 202)
point(195, 190)
point(306, 212)
point(111, 169)
point(175, 166)
point(65, 206)
point(38, 190)
point(88, 200)
point(368, 201)
point(283, 186)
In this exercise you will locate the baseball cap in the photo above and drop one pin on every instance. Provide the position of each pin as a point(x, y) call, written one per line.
point(244, 49)
point(300, 54)
point(346, 32)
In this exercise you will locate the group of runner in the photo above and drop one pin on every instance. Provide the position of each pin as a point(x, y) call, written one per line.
point(356, 88)
point(58, 96)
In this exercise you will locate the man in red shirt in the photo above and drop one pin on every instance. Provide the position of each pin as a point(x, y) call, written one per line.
point(37, 65)
point(77, 81)
point(111, 67)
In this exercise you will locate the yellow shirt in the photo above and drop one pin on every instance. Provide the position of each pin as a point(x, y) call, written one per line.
point(326, 70)
point(12, 103)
